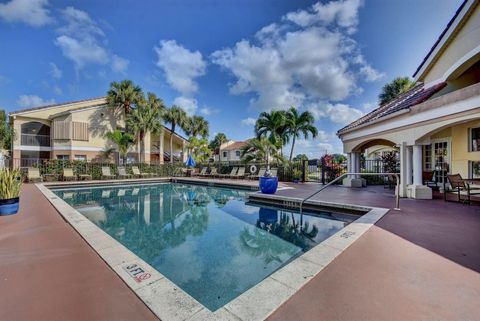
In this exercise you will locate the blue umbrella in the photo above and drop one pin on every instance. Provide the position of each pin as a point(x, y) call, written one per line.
point(190, 161)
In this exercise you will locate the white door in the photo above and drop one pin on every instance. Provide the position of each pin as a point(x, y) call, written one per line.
point(441, 160)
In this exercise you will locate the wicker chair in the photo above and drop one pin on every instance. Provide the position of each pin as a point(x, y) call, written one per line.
point(461, 187)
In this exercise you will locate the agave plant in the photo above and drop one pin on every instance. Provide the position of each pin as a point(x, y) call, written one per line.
point(10, 183)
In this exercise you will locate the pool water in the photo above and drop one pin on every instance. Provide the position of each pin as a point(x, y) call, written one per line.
point(206, 240)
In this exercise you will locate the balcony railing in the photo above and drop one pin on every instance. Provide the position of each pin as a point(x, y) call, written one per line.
point(35, 140)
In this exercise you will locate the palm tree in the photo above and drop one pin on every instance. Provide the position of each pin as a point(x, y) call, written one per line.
point(272, 126)
point(123, 141)
point(260, 150)
point(197, 126)
point(394, 88)
point(199, 148)
point(175, 116)
point(299, 125)
point(218, 140)
point(146, 118)
point(123, 96)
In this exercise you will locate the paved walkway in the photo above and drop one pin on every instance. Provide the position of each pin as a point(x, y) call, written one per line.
point(420, 263)
point(48, 272)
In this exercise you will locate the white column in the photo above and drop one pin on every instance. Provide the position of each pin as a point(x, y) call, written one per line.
point(409, 160)
point(403, 170)
point(160, 147)
point(349, 163)
point(417, 165)
point(353, 164)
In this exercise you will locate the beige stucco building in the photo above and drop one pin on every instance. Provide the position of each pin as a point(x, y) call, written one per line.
point(76, 130)
point(436, 124)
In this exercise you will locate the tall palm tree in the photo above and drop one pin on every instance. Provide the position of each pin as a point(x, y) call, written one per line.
point(299, 125)
point(260, 150)
point(197, 126)
point(394, 88)
point(123, 96)
point(146, 118)
point(123, 141)
point(272, 126)
point(175, 116)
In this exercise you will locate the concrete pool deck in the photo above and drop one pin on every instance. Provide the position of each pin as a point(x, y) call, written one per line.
point(422, 262)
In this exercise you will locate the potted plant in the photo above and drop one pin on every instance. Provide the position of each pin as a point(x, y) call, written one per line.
point(297, 175)
point(268, 183)
point(10, 183)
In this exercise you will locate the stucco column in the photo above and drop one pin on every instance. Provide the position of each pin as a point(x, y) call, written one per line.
point(184, 152)
point(349, 163)
point(403, 170)
point(417, 165)
point(160, 147)
point(409, 165)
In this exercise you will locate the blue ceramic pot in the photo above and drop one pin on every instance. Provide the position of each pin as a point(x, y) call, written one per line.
point(267, 215)
point(9, 206)
point(268, 185)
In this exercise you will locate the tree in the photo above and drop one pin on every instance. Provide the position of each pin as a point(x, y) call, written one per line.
point(123, 96)
point(196, 126)
point(175, 116)
point(123, 141)
point(217, 141)
point(199, 148)
point(300, 157)
point(260, 150)
point(299, 125)
point(394, 88)
point(7, 133)
point(272, 126)
point(146, 118)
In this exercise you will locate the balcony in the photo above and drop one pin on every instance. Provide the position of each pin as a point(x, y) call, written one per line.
point(35, 140)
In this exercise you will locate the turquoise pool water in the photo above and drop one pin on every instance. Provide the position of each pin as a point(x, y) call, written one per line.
point(204, 239)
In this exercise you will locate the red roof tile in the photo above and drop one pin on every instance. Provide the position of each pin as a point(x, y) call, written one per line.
point(235, 146)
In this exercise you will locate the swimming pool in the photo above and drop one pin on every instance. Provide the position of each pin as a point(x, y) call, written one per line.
point(206, 240)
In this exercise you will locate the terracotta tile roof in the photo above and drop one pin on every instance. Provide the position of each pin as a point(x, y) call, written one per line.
point(54, 105)
point(414, 96)
point(235, 146)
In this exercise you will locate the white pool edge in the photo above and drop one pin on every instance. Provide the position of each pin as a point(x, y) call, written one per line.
point(169, 302)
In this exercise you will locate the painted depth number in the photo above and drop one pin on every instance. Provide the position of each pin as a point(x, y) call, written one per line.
point(137, 272)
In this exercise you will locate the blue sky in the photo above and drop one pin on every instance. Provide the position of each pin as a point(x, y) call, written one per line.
point(226, 60)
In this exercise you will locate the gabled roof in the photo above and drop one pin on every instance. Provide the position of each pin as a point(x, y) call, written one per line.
point(55, 105)
point(235, 146)
point(412, 97)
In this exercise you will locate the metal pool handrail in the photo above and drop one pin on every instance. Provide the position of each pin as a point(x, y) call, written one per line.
point(397, 187)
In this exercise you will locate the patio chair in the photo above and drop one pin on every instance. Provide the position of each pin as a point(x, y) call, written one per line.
point(261, 172)
point(203, 172)
point(273, 172)
point(33, 174)
point(84, 177)
point(240, 173)
point(68, 174)
point(461, 187)
point(122, 172)
point(233, 172)
point(213, 172)
point(137, 173)
point(106, 174)
point(428, 180)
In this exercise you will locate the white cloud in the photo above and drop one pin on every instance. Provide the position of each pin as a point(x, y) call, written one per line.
point(190, 105)
point(119, 64)
point(26, 101)
point(83, 42)
point(31, 12)
point(249, 121)
point(337, 113)
point(207, 111)
point(180, 65)
point(297, 64)
point(55, 72)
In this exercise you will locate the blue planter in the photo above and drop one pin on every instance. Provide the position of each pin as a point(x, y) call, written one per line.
point(268, 185)
point(9, 206)
point(267, 215)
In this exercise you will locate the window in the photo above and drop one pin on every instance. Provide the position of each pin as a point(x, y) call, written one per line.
point(427, 157)
point(81, 157)
point(224, 154)
point(475, 169)
point(475, 139)
point(237, 153)
point(63, 157)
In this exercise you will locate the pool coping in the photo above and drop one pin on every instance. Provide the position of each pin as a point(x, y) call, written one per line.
point(169, 302)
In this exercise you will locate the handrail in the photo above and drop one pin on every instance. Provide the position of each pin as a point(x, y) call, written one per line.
point(397, 187)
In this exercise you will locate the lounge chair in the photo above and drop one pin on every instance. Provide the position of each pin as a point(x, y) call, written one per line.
point(122, 172)
point(136, 172)
point(203, 172)
point(84, 177)
point(240, 173)
point(213, 172)
point(233, 172)
point(33, 174)
point(273, 172)
point(68, 174)
point(178, 172)
point(261, 172)
point(462, 187)
point(106, 174)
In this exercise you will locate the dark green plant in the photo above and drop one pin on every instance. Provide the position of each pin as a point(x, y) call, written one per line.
point(394, 88)
point(123, 96)
point(299, 125)
point(175, 116)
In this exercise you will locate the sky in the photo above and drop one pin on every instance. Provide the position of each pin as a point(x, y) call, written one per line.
point(226, 60)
